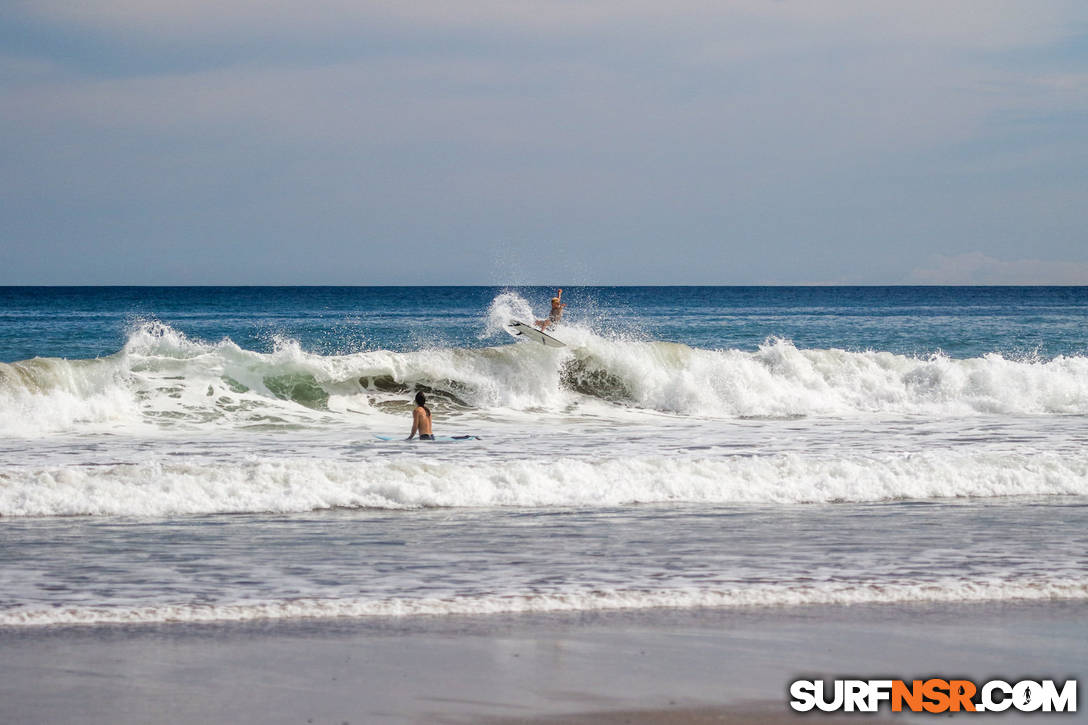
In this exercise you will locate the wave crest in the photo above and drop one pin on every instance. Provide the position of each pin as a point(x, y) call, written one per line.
point(162, 377)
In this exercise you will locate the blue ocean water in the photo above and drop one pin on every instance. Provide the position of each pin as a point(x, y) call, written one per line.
point(83, 322)
point(193, 454)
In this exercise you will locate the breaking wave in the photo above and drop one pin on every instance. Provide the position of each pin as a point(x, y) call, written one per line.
point(164, 379)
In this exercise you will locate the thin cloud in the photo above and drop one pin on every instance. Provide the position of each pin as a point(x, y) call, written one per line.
point(970, 23)
point(979, 268)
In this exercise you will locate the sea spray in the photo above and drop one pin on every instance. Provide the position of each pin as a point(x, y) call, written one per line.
point(504, 309)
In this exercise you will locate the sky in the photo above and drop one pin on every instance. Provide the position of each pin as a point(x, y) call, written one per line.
point(563, 142)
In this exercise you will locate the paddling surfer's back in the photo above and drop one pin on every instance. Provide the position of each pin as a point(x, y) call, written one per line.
point(421, 419)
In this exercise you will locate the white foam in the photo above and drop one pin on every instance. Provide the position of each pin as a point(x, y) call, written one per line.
point(166, 486)
point(46, 394)
point(162, 379)
point(740, 596)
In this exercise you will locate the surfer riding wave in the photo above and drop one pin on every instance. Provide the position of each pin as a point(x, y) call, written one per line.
point(555, 315)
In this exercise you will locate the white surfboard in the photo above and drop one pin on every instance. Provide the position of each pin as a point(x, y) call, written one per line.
point(527, 332)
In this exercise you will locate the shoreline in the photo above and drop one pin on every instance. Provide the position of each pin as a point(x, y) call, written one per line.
point(655, 666)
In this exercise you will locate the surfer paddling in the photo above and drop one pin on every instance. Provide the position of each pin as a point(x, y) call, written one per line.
point(421, 419)
point(555, 315)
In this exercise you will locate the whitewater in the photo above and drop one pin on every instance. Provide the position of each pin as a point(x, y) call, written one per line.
point(163, 379)
point(685, 429)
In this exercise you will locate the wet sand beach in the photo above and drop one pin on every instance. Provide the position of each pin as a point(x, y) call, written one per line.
point(655, 666)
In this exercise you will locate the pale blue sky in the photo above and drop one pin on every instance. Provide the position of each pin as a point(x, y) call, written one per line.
point(495, 142)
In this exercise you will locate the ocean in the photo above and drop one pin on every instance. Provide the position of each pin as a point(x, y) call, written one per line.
point(210, 454)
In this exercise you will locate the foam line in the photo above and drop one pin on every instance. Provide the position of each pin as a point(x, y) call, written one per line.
point(168, 487)
point(742, 595)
